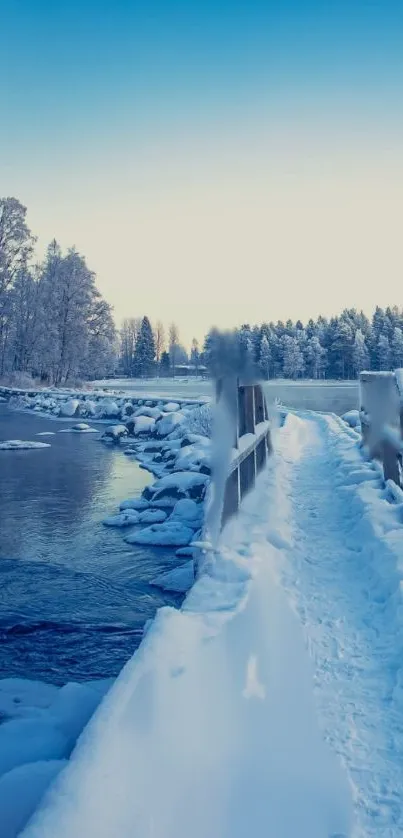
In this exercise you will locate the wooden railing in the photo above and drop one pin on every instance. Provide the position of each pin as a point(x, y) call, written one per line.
point(252, 444)
point(381, 416)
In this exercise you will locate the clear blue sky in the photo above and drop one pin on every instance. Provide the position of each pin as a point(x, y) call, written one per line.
point(179, 143)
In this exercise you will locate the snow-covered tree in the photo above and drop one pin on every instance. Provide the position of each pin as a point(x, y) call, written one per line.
point(128, 336)
point(360, 354)
point(397, 347)
point(315, 357)
point(265, 360)
point(384, 356)
point(159, 339)
point(16, 244)
point(293, 361)
point(144, 354)
point(173, 337)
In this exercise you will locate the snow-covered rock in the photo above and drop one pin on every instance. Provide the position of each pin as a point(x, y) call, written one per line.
point(21, 791)
point(115, 433)
point(178, 485)
point(352, 418)
point(90, 408)
point(171, 407)
point(152, 516)
point(180, 579)
point(152, 412)
point(21, 697)
point(73, 707)
point(168, 534)
point(188, 511)
point(143, 425)
point(107, 408)
point(21, 445)
point(82, 427)
point(168, 423)
point(70, 408)
point(30, 740)
point(126, 518)
point(134, 503)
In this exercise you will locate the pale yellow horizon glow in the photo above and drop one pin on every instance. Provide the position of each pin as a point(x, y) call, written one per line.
point(232, 232)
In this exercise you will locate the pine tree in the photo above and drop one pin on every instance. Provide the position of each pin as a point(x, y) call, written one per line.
point(144, 354)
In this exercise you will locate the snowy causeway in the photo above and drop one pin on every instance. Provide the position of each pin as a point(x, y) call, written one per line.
point(275, 693)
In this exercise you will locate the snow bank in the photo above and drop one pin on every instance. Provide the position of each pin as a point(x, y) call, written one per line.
point(22, 445)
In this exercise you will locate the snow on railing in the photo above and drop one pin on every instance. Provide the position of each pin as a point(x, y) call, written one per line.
point(381, 417)
point(248, 442)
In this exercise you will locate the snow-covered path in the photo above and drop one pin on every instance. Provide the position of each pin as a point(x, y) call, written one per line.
point(212, 729)
point(341, 574)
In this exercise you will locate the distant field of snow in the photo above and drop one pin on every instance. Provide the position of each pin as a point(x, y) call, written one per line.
point(328, 396)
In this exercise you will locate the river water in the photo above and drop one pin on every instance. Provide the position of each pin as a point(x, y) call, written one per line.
point(73, 595)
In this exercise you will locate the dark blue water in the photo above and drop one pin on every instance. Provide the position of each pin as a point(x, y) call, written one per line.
point(73, 595)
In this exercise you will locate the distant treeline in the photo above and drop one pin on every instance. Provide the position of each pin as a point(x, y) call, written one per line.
point(337, 348)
